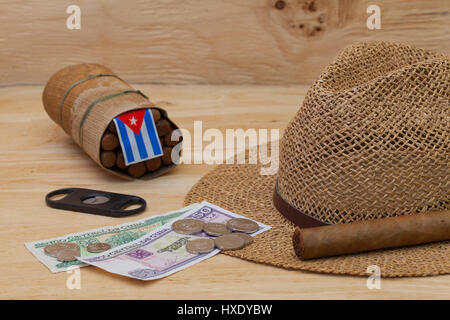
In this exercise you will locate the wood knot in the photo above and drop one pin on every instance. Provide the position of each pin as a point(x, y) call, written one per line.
point(310, 6)
point(312, 30)
point(321, 18)
point(280, 4)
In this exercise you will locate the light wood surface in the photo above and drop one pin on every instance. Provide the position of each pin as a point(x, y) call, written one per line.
point(205, 41)
point(36, 156)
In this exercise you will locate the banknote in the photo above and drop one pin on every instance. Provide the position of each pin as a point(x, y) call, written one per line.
point(162, 251)
point(113, 235)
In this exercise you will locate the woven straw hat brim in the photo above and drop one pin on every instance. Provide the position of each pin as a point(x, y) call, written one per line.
point(242, 189)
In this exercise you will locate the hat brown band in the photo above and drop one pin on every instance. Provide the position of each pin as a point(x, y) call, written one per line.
point(294, 215)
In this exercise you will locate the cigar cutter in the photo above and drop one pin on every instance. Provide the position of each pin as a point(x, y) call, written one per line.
point(95, 202)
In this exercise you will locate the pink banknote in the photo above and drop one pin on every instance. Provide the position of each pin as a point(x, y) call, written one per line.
point(162, 251)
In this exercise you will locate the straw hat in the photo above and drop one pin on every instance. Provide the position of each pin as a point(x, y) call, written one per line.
point(371, 140)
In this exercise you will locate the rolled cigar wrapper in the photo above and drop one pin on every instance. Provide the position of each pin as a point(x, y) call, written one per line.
point(120, 160)
point(137, 170)
point(83, 99)
point(168, 140)
point(153, 164)
point(167, 156)
point(112, 127)
point(108, 158)
point(163, 127)
point(156, 115)
point(109, 141)
point(354, 237)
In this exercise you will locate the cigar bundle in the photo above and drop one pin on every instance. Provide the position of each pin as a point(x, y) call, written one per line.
point(370, 235)
point(84, 99)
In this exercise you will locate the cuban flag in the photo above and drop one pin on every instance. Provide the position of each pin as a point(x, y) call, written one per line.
point(138, 136)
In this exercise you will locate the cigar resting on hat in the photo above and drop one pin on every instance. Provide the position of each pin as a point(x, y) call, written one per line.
point(361, 236)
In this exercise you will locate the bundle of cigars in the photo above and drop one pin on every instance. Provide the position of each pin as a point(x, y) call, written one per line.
point(111, 155)
point(84, 99)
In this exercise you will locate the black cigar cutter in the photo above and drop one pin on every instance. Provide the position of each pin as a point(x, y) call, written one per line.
point(95, 202)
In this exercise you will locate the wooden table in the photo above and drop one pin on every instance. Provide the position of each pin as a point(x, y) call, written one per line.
point(36, 156)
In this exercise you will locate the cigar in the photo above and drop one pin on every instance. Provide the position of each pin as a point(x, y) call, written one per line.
point(108, 158)
point(156, 115)
point(109, 141)
point(153, 164)
point(112, 127)
point(163, 127)
point(168, 140)
point(120, 160)
point(137, 170)
point(167, 156)
point(371, 235)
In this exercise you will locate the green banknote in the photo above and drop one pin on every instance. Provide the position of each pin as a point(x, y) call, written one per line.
point(113, 235)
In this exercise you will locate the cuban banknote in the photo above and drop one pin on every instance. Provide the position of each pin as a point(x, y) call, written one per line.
point(162, 251)
point(113, 235)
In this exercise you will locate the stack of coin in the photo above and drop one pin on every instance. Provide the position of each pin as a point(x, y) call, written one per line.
point(63, 251)
point(233, 235)
point(111, 155)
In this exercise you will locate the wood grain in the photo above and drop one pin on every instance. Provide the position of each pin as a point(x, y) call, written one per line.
point(36, 156)
point(205, 41)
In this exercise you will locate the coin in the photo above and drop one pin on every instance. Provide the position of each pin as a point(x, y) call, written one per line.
point(54, 248)
point(188, 226)
point(98, 247)
point(215, 229)
point(247, 238)
point(229, 241)
point(204, 245)
point(66, 255)
point(242, 225)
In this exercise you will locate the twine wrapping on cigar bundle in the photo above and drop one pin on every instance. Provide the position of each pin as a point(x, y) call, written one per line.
point(84, 99)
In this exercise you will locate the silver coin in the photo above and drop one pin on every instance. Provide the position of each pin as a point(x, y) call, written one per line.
point(203, 245)
point(242, 225)
point(229, 241)
point(188, 226)
point(98, 247)
point(215, 229)
point(248, 239)
point(66, 255)
point(53, 249)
